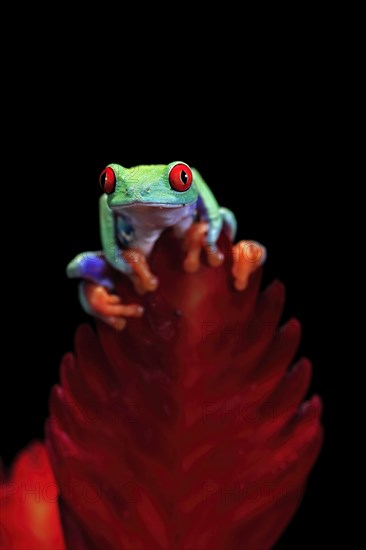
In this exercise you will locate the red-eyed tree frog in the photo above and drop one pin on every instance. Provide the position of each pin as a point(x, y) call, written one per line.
point(137, 205)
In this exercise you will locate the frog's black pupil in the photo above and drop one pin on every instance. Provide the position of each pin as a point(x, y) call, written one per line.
point(184, 177)
point(103, 178)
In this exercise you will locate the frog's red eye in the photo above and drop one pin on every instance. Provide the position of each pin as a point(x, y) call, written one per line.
point(107, 180)
point(180, 177)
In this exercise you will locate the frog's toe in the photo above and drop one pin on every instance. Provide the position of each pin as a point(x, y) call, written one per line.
point(118, 323)
point(215, 257)
point(194, 242)
point(144, 285)
point(247, 256)
point(191, 262)
point(142, 277)
point(114, 306)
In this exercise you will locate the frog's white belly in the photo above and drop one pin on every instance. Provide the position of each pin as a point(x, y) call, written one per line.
point(148, 223)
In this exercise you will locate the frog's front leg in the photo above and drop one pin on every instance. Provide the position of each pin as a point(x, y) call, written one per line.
point(247, 255)
point(205, 233)
point(130, 261)
point(194, 243)
point(203, 236)
point(97, 290)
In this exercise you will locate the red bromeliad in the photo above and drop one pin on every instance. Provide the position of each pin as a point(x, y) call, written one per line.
point(184, 431)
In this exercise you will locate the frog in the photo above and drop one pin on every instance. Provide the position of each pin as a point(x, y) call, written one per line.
point(137, 206)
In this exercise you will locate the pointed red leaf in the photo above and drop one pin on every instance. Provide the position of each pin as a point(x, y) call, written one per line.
point(184, 431)
point(29, 515)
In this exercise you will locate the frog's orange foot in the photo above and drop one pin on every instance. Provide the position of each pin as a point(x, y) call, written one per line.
point(247, 256)
point(143, 279)
point(194, 243)
point(109, 307)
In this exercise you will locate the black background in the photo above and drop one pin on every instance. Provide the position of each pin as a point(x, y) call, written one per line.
point(271, 181)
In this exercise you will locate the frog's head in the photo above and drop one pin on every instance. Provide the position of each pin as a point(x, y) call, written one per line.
point(156, 185)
